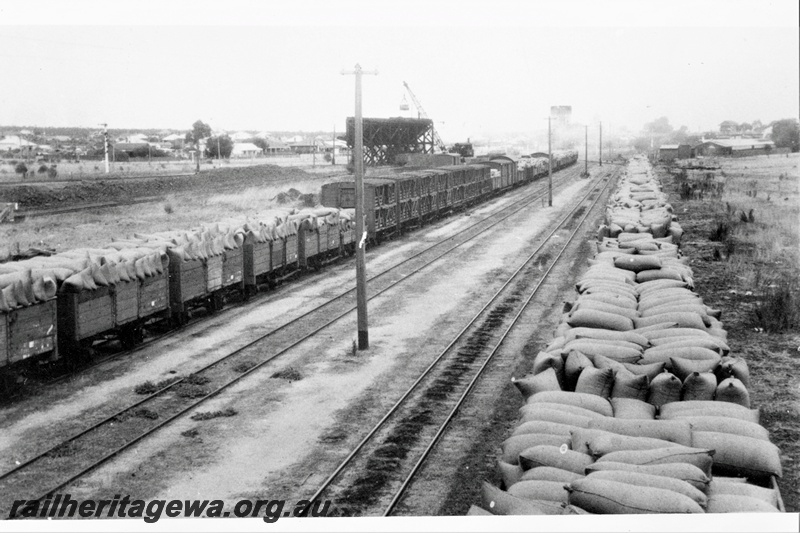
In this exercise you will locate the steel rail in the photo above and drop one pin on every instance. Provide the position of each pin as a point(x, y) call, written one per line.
point(398, 495)
point(441, 356)
point(161, 391)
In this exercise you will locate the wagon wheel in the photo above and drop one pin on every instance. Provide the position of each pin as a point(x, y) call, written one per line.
point(250, 291)
point(8, 384)
point(130, 336)
point(216, 302)
point(180, 319)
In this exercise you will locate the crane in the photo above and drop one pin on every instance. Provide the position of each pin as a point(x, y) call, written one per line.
point(422, 114)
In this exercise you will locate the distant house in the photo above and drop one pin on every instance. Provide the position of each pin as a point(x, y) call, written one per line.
point(245, 150)
point(15, 142)
point(293, 139)
point(337, 147)
point(733, 147)
point(303, 147)
point(670, 152)
point(276, 146)
point(175, 140)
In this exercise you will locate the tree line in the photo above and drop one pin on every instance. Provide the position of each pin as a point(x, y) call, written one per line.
point(785, 133)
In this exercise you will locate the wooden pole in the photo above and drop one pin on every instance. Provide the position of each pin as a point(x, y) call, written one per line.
point(361, 234)
point(549, 163)
point(105, 145)
point(333, 150)
point(586, 153)
point(601, 144)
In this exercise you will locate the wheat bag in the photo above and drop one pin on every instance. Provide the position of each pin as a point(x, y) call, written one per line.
point(651, 370)
point(603, 496)
point(579, 438)
point(629, 386)
point(533, 407)
point(684, 367)
point(632, 409)
point(595, 381)
point(664, 354)
point(732, 390)
point(683, 471)
point(708, 408)
point(733, 367)
point(533, 384)
point(499, 502)
point(555, 456)
point(590, 318)
point(604, 334)
point(699, 386)
point(638, 263)
point(509, 473)
point(732, 503)
point(625, 302)
point(740, 456)
point(545, 360)
point(606, 308)
point(540, 426)
point(600, 445)
point(649, 480)
point(538, 489)
point(677, 431)
point(664, 388)
point(701, 458)
point(573, 366)
point(718, 487)
point(617, 350)
point(586, 401)
point(661, 273)
point(513, 446)
point(706, 341)
point(675, 331)
point(549, 473)
point(723, 424)
point(683, 320)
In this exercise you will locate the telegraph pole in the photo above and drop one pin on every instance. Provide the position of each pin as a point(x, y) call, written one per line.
point(333, 150)
point(361, 235)
point(197, 147)
point(105, 144)
point(549, 163)
point(601, 144)
point(586, 153)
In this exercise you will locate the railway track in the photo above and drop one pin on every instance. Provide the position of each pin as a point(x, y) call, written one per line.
point(375, 475)
point(516, 205)
point(60, 465)
point(19, 216)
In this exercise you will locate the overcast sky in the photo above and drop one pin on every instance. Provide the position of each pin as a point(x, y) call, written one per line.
point(479, 68)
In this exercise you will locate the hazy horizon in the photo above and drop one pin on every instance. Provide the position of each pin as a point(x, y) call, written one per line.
point(476, 74)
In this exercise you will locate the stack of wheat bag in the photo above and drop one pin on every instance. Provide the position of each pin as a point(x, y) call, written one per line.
point(637, 405)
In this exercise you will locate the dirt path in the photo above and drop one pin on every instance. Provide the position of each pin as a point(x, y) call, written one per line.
point(287, 433)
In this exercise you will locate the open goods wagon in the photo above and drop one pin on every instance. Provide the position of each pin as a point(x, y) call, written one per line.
point(396, 202)
point(115, 293)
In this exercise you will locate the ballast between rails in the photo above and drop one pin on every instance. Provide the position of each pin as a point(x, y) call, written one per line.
point(61, 306)
point(277, 348)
